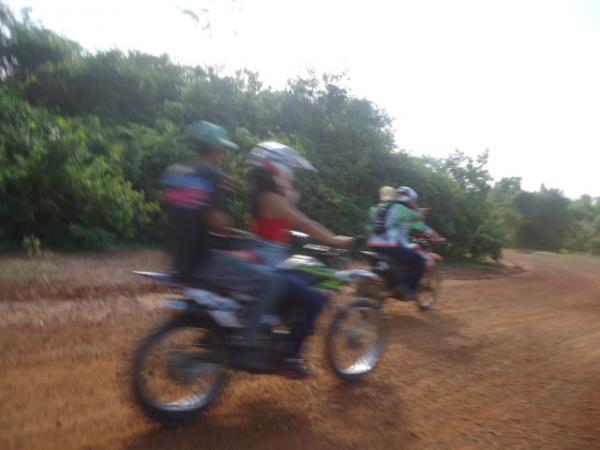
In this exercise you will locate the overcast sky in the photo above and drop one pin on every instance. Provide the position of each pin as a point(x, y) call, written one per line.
point(518, 77)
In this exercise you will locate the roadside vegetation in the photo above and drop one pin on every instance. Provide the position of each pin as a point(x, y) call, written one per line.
point(85, 137)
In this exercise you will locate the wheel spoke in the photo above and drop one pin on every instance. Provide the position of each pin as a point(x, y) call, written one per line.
point(177, 372)
point(355, 341)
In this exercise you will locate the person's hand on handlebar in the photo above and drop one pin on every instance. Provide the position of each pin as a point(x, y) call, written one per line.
point(433, 236)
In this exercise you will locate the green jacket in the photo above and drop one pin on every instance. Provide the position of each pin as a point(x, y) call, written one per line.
point(390, 225)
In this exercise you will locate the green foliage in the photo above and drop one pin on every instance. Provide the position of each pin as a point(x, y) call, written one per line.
point(462, 210)
point(33, 246)
point(116, 87)
point(84, 139)
point(26, 47)
point(594, 246)
point(546, 220)
point(52, 185)
point(544, 225)
point(584, 230)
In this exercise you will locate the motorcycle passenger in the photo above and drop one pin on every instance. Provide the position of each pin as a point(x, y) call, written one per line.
point(390, 223)
point(196, 201)
point(274, 198)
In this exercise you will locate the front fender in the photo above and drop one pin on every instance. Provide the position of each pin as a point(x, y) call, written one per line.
point(355, 275)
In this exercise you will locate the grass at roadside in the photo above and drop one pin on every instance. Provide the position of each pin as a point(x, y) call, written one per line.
point(473, 264)
point(24, 269)
point(83, 275)
point(476, 265)
point(575, 257)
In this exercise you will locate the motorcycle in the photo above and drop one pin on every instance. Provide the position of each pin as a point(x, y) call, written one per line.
point(387, 269)
point(180, 368)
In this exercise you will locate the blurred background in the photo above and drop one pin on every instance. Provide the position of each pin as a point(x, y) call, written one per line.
point(488, 109)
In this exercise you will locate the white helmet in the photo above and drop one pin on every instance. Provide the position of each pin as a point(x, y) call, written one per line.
point(405, 194)
point(279, 158)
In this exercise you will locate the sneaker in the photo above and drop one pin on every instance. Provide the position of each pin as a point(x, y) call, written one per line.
point(295, 369)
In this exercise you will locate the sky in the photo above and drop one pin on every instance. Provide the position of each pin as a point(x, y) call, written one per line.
point(518, 77)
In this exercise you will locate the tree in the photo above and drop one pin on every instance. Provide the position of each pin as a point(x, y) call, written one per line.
point(544, 222)
point(85, 137)
point(25, 47)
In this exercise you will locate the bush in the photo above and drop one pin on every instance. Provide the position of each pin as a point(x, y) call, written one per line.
point(595, 246)
point(85, 137)
point(90, 238)
point(52, 184)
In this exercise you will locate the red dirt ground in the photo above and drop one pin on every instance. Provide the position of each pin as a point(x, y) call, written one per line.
point(503, 361)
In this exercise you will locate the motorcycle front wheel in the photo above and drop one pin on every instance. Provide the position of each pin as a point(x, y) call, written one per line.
point(356, 339)
point(429, 290)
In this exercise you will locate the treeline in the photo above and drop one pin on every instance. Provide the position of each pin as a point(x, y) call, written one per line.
point(85, 137)
point(547, 220)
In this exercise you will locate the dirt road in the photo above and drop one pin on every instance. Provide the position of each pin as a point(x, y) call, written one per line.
point(502, 362)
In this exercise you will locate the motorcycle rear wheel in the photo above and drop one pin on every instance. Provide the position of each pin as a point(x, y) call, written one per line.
point(190, 376)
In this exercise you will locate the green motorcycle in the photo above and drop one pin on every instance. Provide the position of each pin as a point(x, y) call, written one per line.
point(180, 368)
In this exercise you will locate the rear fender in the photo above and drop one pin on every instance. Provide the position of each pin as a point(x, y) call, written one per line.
point(224, 311)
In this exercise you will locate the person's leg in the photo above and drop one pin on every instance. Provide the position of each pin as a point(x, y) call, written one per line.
point(416, 266)
point(415, 263)
point(310, 301)
point(264, 285)
point(272, 253)
point(396, 274)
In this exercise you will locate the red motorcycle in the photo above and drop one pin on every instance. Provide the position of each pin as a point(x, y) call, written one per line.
point(382, 288)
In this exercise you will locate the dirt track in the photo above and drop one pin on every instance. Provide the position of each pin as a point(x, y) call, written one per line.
point(503, 362)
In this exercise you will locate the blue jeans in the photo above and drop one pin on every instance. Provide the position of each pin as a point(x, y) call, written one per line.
point(269, 288)
point(415, 262)
point(272, 253)
point(264, 285)
point(307, 299)
point(299, 294)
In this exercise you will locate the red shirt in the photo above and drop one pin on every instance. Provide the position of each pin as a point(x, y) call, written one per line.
point(277, 230)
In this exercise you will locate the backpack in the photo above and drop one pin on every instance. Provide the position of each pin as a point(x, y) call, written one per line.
point(380, 219)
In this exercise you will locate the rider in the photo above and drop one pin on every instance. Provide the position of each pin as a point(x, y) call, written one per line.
point(408, 197)
point(390, 224)
point(195, 195)
point(274, 198)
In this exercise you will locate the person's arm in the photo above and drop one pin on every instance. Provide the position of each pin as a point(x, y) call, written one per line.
point(369, 225)
point(274, 205)
point(420, 227)
point(409, 215)
point(423, 228)
point(436, 236)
